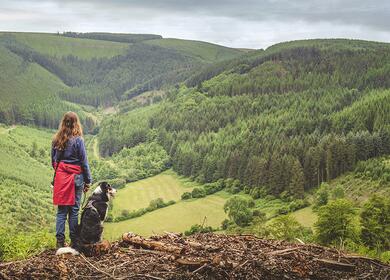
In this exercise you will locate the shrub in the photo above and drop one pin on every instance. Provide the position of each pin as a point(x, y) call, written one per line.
point(233, 190)
point(118, 183)
point(298, 204)
point(258, 192)
point(186, 195)
point(270, 197)
point(287, 228)
point(236, 184)
point(322, 195)
point(198, 193)
point(125, 212)
point(153, 205)
point(156, 204)
point(283, 210)
point(221, 184)
point(338, 192)
point(225, 224)
point(258, 213)
point(198, 229)
point(212, 188)
point(228, 182)
point(238, 210)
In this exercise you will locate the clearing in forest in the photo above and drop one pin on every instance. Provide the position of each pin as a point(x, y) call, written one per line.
point(175, 218)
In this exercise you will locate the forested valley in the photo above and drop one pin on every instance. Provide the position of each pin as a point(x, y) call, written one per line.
point(279, 124)
point(80, 70)
point(256, 139)
point(283, 121)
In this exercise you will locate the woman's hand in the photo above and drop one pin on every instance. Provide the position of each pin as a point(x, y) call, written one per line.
point(86, 187)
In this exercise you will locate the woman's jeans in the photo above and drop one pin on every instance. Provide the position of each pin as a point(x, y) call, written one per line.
point(64, 211)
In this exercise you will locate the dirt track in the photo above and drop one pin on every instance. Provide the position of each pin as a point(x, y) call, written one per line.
point(205, 256)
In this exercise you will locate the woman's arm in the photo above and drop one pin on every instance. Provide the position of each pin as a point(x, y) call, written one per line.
point(84, 162)
point(53, 154)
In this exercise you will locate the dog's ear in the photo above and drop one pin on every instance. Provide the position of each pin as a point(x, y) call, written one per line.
point(104, 186)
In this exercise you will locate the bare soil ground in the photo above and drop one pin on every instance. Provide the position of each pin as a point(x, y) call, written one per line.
point(203, 256)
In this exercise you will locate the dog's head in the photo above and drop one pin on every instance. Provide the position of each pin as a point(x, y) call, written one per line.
point(105, 190)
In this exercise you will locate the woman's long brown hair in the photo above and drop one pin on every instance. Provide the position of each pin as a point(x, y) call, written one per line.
point(69, 127)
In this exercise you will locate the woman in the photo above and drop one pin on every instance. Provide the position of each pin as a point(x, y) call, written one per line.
point(69, 159)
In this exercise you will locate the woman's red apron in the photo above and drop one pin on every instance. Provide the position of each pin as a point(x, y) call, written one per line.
point(64, 192)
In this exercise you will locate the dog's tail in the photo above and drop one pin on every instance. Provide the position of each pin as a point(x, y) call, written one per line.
point(67, 250)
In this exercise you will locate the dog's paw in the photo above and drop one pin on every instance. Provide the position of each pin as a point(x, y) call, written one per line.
point(67, 250)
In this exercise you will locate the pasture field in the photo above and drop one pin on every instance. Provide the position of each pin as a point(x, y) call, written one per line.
point(60, 46)
point(166, 185)
point(175, 218)
point(305, 216)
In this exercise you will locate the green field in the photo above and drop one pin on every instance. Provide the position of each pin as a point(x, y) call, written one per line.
point(197, 49)
point(60, 46)
point(305, 216)
point(138, 195)
point(175, 218)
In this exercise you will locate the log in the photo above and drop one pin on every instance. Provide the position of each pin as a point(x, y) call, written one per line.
point(192, 263)
point(282, 252)
point(173, 234)
point(336, 265)
point(198, 246)
point(151, 244)
point(195, 245)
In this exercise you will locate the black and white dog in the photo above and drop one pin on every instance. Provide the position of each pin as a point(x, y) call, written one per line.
point(94, 213)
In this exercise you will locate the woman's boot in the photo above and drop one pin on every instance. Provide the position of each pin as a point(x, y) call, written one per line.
point(60, 243)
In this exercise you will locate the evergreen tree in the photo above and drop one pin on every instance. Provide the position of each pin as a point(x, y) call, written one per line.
point(296, 187)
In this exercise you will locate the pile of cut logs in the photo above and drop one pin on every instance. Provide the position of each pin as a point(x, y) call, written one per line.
point(203, 256)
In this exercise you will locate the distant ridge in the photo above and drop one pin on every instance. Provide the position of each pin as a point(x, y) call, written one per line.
point(114, 37)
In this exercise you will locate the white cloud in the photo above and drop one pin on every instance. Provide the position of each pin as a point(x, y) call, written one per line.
point(252, 24)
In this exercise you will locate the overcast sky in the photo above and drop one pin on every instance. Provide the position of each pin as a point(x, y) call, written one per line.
point(244, 23)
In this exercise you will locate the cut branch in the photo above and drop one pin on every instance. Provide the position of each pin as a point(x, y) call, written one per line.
point(151, 244)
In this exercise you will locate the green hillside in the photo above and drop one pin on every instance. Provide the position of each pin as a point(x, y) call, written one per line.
point(113, 37)
point(283, 120)
point(204, 51)
point(98, 69)
point(28, 92)
point(25, 176)
point(60, 46)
